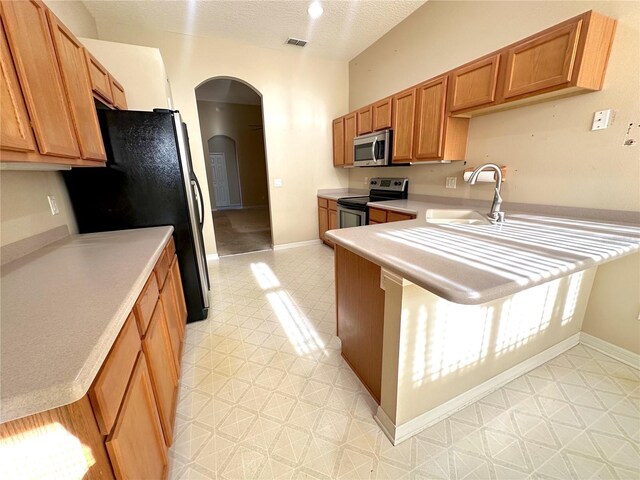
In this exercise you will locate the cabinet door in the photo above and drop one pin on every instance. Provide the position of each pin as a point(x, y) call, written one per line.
point(333, 219)
point(338, 142)
point(177, 285)
point(75, 77)
point(174, 324)
point(382, 114)
point(323, 221)
point(364, 120)
point(136, 446)
point(349, 134)
point(100, 81)
point(159, 355)
point(430, 118)
point(15, 127)
point(404, 106)
point(543, 62)
point(475, 84)
point(32, 50)
point(117, 91)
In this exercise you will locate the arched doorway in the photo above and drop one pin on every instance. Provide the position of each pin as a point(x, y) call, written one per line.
point(231, 125)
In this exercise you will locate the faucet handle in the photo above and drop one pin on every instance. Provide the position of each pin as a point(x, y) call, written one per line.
point(498, 217)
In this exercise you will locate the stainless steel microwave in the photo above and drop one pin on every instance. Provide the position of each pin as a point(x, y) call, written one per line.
point(372, 149)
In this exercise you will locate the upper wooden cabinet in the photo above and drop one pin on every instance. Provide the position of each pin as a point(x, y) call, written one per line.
point(75, 76)
point(365, 120)
point(34, 57)
point(382, 118)
point(338, 142)
point(545, 61)
point(474, 84)
point(404, 108)
point(48, 112)
point(429, 122)
point(117, 91)
point(349, 135)
point(15, 127)
point(100, 81)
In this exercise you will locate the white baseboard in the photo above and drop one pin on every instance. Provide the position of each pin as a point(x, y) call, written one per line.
point(306, 243)
point(618, 353)
point(400, 433)
point(212, 257)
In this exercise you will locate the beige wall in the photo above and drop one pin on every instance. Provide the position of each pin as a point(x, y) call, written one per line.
point(140, 70)
point(616, 322)
point(24, 209)
point(75, 16)
point(233, 120)
point(551, 155)
point(301, 95)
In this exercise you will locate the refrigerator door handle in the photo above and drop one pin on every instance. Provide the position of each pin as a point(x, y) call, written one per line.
point(200, 200)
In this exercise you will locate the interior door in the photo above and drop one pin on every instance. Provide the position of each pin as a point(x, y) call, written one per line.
point(220, 180)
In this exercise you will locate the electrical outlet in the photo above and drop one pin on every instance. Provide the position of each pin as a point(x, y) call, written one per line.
point(451, 182)
point(277, 182)
point(366, 181)
point(601, 119)
point(53, 205)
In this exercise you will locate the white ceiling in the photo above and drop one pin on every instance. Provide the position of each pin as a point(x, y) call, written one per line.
point(347, 27)
point(227, 91)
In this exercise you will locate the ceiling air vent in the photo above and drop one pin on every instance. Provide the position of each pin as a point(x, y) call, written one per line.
point(296, 41)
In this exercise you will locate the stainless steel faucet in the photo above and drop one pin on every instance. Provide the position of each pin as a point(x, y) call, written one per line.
point(495, 215)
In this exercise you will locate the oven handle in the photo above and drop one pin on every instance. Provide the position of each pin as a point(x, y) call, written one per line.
point(373, 149)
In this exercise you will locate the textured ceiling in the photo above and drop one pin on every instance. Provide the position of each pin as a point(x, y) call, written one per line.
point(346, 28)
point(227, 91)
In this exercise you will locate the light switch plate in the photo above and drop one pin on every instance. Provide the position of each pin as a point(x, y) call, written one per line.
point(277, 182)
point(451, 182)
point(601, 119)
point(53, 205)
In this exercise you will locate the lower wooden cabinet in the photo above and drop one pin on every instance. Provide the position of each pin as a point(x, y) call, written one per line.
point(126, 418)
point(379, 215)
point(136, 446)
point(327, 218)
point(158, 351)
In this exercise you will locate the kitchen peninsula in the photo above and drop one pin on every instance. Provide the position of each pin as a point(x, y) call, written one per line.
point(433, 316)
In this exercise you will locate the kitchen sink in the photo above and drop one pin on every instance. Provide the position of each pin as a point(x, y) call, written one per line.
point(460, 216)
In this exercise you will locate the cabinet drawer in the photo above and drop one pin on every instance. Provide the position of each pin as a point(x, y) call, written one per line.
point(169, 304)
point(333, 205)
point(162, 268)
point(100, 82)
point(323, 202)
point(146, 303)
point(177, 285)
point(376, 215)
point(398, 217)
point(108, 390)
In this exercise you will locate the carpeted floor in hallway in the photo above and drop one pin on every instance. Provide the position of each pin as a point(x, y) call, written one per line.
point(243, 230)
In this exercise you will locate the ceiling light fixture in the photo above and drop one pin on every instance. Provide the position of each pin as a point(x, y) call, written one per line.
point(315, 10)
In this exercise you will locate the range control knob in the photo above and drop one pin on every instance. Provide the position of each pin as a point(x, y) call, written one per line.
point(397, 183)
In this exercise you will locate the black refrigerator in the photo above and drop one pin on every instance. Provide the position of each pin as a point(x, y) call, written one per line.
point(148, 181)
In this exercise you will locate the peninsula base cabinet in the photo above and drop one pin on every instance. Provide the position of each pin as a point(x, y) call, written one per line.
point(123, 426)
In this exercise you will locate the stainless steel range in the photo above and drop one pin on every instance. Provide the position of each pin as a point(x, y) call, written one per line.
point(353, 211)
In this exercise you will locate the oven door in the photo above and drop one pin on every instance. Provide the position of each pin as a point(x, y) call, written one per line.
point(348, 217)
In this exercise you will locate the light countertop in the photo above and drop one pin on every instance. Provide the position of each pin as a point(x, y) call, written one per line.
point(62, 308)
point(335, 194)
point(473, 264)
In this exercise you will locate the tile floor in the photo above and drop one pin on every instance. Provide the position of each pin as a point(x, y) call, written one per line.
point(265, 394)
